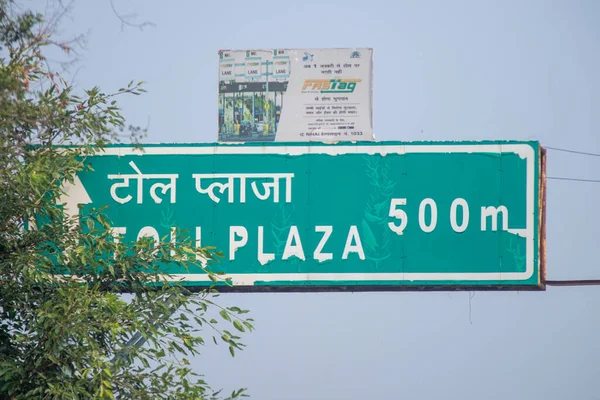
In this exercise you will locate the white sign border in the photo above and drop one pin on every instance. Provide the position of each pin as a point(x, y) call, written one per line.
point(525, 151)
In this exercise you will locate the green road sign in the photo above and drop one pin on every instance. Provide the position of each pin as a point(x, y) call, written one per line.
point(348, 216)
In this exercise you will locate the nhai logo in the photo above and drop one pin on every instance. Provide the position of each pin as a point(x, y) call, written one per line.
point(330, 85)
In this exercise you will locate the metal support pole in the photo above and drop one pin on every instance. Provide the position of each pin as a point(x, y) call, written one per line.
point(268, 121)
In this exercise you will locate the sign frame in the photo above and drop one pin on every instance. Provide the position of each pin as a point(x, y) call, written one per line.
point(536, 178)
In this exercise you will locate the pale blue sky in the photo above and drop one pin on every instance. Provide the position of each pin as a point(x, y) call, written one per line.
point(444, 70)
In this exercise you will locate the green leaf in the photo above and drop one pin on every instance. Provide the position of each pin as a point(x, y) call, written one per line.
point(64, 331)
point(225, 315)
point(238, 325)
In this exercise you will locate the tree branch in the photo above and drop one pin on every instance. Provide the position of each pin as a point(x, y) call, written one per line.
point(124, 19)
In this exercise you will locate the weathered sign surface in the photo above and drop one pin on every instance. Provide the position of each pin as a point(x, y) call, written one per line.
point(346, 216)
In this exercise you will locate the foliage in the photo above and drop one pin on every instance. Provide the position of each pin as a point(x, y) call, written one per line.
point(66, 329)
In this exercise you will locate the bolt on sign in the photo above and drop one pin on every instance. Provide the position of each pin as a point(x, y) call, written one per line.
point(346, 216)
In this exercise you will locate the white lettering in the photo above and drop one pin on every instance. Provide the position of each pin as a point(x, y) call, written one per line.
point(229, 186)
point(174, 242)
point(164, 189)
point(275, 186)
point(263, 257)
point(493, 212)
point(465, 215)
point(234, 244)
point(353, 248)
point(149, 231)
point(317, 254)
point(296, 249)
point(395, 212)
point(140, 186)
point(210, 190)
point(424, 227)
point(116, 232)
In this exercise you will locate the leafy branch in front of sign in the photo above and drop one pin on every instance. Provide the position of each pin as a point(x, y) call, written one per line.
point(374, 229)
point(66, 330)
